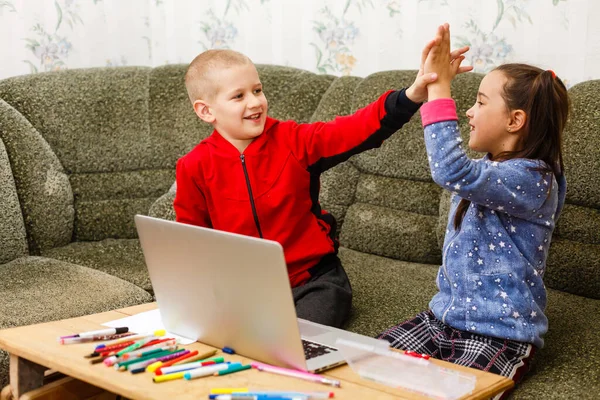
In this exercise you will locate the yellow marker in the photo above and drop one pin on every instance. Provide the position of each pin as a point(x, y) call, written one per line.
point(228, 390)
point(168, 377)
point(154, 366)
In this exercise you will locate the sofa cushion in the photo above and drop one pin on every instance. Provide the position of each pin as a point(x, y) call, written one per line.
point(163, 206)
point(388, 292)
point(575, 252)
point(107, 202)
point(338, 190)
point(385, 291)
point(387, 232)
point(568, 367)
point(13, 238)
point(96, 122)
point(574, 267)
point(37, 289)
point(42, 185)
point(581, 151)
point(122, 258)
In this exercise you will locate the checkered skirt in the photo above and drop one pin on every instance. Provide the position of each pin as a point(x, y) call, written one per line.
point(426, 334)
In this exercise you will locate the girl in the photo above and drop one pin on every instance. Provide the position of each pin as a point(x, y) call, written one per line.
point(489, 311)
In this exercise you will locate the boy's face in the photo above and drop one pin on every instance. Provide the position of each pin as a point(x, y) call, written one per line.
point(238, 110)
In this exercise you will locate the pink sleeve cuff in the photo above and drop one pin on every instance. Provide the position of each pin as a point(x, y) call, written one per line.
point(437, 111)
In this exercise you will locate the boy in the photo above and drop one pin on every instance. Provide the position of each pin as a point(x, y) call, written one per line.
point(258, 176)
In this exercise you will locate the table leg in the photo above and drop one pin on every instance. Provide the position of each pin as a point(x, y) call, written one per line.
point(25, 375)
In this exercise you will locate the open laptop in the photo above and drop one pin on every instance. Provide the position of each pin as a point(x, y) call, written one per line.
point(230, 290)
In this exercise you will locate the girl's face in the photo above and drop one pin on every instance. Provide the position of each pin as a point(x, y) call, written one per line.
point(490, 118)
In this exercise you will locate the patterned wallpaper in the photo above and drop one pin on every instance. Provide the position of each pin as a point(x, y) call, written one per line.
point(338, 37)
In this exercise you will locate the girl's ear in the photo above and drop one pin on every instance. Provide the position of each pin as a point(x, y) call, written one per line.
point(203, 111)
point(517, 120)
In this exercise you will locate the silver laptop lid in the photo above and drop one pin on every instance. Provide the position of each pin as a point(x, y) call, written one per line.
point(223, 289)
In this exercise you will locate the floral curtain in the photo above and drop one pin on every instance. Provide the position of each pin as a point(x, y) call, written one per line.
point(341, 37)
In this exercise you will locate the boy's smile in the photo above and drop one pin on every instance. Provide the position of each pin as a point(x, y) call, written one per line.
point(238, 111)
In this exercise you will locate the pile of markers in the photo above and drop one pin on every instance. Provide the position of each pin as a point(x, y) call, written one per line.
point(152, 352)
point(161, 356)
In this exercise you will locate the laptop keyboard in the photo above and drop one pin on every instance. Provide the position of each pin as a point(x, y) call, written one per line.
point(312, 349)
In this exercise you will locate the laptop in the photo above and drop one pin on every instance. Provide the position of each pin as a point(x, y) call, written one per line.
point(230, 290)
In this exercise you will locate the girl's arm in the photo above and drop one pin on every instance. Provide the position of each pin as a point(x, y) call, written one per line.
point(512, 186)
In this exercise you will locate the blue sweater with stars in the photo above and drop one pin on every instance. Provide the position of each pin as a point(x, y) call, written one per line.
point(490, 281)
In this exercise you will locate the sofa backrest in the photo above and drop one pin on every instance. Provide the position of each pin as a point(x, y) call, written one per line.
point(385, 199)
point(43, 189)
point(93, 125)
point(13, 240)
point(91, 148)
point(574, 258)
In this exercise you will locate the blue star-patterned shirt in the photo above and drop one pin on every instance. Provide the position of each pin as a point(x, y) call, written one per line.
point(490, 281)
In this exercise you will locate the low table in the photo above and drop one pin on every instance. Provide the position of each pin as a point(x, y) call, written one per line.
point(34, 349)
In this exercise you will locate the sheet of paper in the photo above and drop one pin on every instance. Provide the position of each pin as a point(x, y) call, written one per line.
point(148, 321)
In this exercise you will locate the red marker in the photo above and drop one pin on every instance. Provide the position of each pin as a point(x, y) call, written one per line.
point(183, 357)
point(416, 355)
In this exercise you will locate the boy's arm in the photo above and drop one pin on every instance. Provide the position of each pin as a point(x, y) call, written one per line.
point(512, 186)
point(322, 145)
point(190, 203)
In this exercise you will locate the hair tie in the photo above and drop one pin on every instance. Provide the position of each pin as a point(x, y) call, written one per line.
point(553, 74)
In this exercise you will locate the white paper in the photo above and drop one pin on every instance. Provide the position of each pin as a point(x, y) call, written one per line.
point(144, 322)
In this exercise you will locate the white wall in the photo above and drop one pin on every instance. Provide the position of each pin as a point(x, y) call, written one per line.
point(354, 37)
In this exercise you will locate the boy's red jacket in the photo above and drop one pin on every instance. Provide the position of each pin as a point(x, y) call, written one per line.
point(271, 190)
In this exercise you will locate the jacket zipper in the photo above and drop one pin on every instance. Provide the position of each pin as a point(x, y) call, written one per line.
point(448, 277)
point(243, 158)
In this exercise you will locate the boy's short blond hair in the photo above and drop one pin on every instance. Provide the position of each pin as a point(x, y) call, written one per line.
point(198, 80)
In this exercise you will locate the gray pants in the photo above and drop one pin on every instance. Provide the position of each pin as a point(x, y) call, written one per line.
point(326, 298)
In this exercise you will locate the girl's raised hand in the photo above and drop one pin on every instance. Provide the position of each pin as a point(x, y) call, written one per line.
point(444, 64)
point(418, 90)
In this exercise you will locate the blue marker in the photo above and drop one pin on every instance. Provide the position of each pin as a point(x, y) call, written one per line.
point(228, 350)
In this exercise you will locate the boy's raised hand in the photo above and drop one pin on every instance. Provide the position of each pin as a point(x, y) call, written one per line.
point(417, 92)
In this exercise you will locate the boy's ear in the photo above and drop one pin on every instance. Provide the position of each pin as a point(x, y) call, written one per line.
point(203, 111)
point(517, 120)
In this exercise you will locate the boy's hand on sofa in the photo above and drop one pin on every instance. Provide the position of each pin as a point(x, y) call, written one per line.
point(417, 92)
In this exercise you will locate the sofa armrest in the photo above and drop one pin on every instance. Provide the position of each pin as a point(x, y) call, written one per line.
point(163, 206)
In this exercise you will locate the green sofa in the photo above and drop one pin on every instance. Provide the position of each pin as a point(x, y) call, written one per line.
point(83, 151)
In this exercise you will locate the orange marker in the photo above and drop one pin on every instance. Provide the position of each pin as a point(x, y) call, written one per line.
point(198, 357)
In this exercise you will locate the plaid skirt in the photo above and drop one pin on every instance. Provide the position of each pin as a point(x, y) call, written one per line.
point(426, 334)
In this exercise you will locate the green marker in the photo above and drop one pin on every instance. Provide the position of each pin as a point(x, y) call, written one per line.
point(232, 369)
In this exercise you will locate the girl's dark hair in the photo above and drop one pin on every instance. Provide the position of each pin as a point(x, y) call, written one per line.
point(544, 99)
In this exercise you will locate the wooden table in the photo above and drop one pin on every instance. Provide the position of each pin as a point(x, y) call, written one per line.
point(34, 349)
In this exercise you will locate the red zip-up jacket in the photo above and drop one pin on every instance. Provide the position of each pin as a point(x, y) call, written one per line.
point(271, 190)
